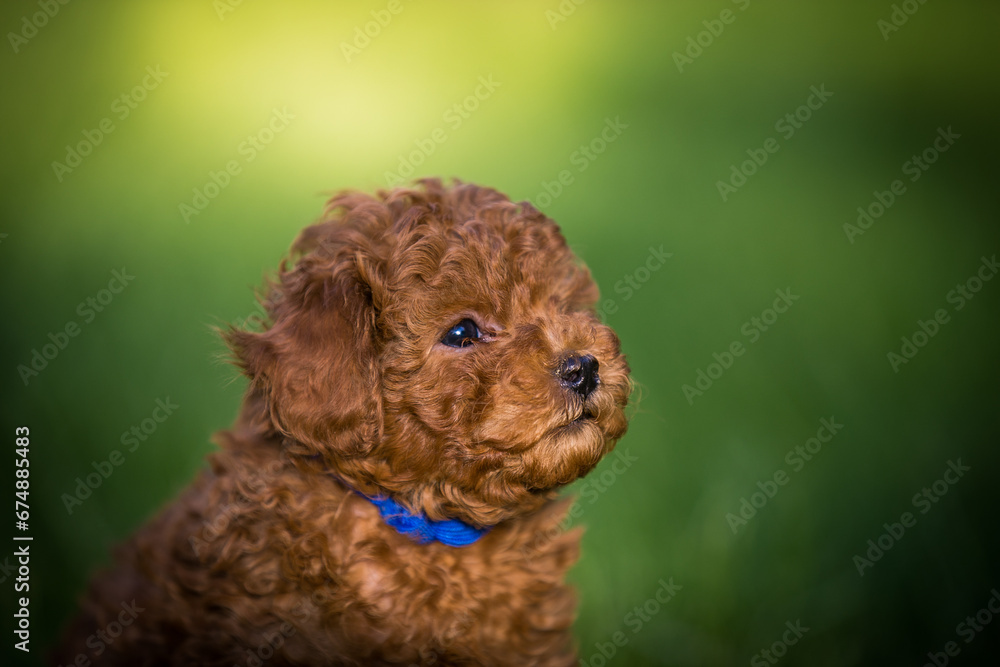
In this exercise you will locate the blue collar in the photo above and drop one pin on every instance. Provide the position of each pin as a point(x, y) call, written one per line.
point(450, 532)
point(418, 527)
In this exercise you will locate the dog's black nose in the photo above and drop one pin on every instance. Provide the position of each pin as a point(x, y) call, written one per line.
point(579, 373)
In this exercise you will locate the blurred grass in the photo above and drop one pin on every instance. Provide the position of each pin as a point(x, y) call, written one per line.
point(655, 185)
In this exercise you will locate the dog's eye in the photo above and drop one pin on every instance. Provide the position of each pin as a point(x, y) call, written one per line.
point(462, 334)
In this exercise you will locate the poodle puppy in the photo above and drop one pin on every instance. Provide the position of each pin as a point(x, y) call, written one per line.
point(431, 372)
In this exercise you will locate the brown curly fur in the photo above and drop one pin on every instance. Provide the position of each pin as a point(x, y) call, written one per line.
point(271, 558)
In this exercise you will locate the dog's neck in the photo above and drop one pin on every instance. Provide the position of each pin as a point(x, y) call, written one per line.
point(417, 526)
point(254, 426)
point(450, 532)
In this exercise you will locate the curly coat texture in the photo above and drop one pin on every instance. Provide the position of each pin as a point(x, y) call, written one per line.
point(273, 557)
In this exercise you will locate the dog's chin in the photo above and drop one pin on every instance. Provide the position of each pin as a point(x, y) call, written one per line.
point(566, 453)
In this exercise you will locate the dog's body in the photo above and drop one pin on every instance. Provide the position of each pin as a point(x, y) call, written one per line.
point(436, 346)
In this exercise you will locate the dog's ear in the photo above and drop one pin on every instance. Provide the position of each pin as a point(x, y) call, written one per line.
point(314, 369)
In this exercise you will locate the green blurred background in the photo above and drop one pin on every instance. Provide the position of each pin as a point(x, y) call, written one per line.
point(560, 73)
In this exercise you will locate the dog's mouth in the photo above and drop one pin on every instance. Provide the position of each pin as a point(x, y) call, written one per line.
point(578, 438)
point(585, 416)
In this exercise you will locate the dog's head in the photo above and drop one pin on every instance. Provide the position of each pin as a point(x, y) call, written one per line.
point(438, 344)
